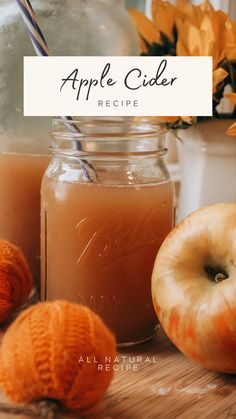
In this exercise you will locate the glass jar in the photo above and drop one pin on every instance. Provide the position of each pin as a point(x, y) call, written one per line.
point(107, 204)
point(21, 172)
point(137, 4)
point(71, 27)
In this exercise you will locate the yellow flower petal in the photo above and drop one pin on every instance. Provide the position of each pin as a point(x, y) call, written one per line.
point(230, 52)
point(144, 26)
point(231, 97)
point(169, 119)
point(164, 16)
point(184, 7)
point(143, 46)
point(232, 130)
point(218, 76)
point(174, 119)
point(206, 6)
point(187, 119)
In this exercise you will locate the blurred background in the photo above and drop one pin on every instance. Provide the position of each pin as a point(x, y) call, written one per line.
point(226, 5)
point(140, 4)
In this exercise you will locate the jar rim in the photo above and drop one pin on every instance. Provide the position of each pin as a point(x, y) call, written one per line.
point(107, 127)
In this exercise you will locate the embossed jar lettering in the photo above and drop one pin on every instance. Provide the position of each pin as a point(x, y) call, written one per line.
point(104, 219)
point(101, 235)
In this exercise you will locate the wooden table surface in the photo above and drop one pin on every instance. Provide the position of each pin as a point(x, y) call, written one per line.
point(164, 385)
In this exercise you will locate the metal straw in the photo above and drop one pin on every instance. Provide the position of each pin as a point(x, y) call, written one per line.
point(41, 48)
point(34, 31)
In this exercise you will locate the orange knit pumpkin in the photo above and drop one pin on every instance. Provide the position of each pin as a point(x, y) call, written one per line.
point(15, 279)
point(51, 352)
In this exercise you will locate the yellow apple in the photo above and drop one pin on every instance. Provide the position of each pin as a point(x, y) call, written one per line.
point(194, 286)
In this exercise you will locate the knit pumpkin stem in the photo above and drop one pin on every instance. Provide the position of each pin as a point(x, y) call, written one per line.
point(45, 409)
point(48, 409)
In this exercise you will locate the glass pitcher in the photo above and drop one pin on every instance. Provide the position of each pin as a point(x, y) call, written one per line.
point(71, 27)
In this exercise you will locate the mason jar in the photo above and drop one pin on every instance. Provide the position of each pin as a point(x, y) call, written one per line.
point(107, 204)
point(71, 27)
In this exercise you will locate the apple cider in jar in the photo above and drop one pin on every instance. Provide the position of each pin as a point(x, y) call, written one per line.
point(107, 205)
point(23, 162)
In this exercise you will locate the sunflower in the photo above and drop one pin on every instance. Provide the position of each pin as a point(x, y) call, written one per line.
point(191, 30)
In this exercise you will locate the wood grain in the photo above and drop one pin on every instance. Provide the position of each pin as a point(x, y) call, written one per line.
point(167, 386)
point(173, 387)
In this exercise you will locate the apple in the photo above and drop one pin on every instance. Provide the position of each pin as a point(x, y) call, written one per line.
point(194, 287)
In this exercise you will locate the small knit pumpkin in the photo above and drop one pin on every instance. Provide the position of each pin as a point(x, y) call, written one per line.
point(51, 352)
point(15, 279)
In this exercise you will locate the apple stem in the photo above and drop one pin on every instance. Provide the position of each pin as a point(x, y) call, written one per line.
point(217, 274)
point(220, 277)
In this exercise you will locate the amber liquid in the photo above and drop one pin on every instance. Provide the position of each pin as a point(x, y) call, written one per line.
point(20, 181)
point(99, 244)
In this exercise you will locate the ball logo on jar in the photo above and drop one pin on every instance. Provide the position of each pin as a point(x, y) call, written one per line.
point(102, 236)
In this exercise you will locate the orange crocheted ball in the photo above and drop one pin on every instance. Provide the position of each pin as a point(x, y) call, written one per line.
point(15, 279)
point(57, 350)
